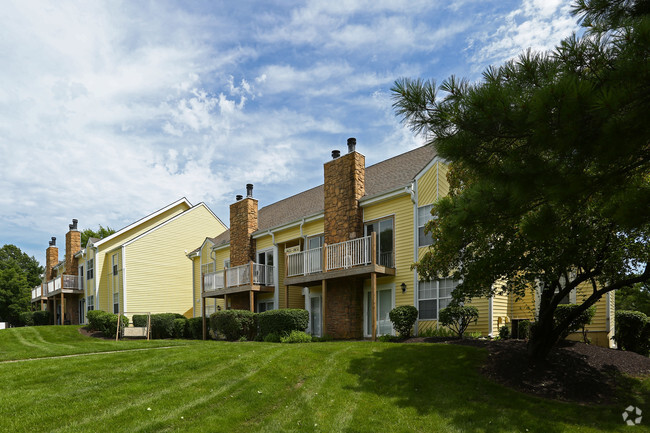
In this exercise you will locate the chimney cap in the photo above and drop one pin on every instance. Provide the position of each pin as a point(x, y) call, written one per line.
point(352, 143)
point(73, 226)
point(53, 241)
point(336, 154)
point(239, 197)
point(249, 190)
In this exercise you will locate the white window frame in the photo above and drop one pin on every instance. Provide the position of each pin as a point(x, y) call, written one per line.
point(116, 302)
point(366, 295)
point(437, 298)
point(90, 269)
point(90, 303)
point(422, 222)
point(266, 302)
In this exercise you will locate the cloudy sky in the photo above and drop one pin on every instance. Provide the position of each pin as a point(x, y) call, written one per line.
point(112, 110)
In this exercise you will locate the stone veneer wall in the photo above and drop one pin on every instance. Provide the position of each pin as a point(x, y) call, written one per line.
point(344, 309)
point(51, 259)
point(72, 246)
point(243, 222)
point(343, 187)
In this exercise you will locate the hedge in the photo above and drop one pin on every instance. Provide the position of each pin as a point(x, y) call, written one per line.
point(25, 318)
point(94, 319)
point(282, 322)
point(234, 324)
point(180, 328)
point(632, 331)
point(140, 320)
point(195, 328)
point(162, 324)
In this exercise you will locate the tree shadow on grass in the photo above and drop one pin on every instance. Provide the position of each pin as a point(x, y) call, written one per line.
point(443, 380)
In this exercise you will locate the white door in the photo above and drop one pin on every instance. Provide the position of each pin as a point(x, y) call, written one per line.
point(384, 305)
point(315, 315)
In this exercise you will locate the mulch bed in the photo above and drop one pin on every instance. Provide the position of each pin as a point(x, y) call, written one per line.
point(573, 371)
point(94, 334)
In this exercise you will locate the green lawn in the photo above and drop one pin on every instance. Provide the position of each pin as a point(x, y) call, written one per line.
point(240, 387)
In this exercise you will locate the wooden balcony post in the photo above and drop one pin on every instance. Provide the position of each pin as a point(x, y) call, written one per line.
point(117, 331)
point(373, 248)
point(286, 296)
point(373, 286)
point(225, 302)
point(252, 296)
point(62, 308)
point(202, 282)
point(250, 278)
point(324, 257)
point(286, 265)
point(225, 279)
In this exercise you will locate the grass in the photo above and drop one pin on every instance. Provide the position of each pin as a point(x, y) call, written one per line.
point(266, 387)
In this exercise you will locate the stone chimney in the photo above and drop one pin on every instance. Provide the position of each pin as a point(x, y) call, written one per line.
point(344, 186)
point(243, 222)
point(72, 246)
point(51, 259)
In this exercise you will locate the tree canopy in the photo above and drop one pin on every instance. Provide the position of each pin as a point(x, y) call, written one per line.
point(101, 233)
point(549, 174)
point(19, 273)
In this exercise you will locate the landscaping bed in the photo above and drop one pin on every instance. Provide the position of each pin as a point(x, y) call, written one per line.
point(574, 371)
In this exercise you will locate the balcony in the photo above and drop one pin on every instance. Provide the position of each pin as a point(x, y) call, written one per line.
point(357, 257)
point(243, 278)
point(37, 293)
point(63, 284)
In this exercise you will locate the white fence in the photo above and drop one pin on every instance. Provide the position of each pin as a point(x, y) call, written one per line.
point(262, 275)
point(347, 254)
point(305, 262)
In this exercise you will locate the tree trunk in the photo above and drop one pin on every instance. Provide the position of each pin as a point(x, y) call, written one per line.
point(542, 340)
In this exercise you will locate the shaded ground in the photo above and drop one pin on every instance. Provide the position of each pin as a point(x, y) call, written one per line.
point(574, 371)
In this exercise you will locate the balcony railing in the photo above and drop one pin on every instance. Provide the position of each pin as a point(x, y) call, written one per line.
point(305, 262)
point(37, 292)
point(344, 255)
point(260, 275)
point(64, 281)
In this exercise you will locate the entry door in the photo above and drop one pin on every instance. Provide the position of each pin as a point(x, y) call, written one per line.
point(384, 305)
point(315, 314)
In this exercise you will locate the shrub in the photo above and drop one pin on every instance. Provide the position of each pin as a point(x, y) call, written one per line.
point(41, 318)
point(162, 325)
point(95, 322)
point(579, 323)
point(180, 328)
point(25, 318)
point(458, 317)
point(195, 328)
point(296, 337)
point(272, 338)
point(504, 332)
point(234, 324)
point(403, 318)
point(523, 329)
point(436, 332)
point(325, 338)
point(475, 335)
point(109, 324)
point(632, 331)
point(387, 338)
point(282, 322)
point(140, 320)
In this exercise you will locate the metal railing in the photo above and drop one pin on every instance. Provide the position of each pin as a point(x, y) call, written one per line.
point(262, 275)
point(305, 262)
point(347, 254)
point(71, 282)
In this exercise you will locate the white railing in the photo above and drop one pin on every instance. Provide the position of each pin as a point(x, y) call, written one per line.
point(263, 275)
point(57, 284)
point(305, 262)
point(347, 254)
point(70, 281)
point(50, 287)
point(37, 292)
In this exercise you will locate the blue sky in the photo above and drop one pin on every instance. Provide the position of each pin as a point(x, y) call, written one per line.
point(112, 110)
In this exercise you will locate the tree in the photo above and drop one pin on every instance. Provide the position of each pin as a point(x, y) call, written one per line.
point(549, 168)
point(19, 273)
point(101, 233)
point(458, 317)
point(634, 298)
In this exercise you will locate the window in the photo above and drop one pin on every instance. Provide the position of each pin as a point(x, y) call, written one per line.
point(433, 296)
point(263, 306)
point(265, 258)
point(384, 230)
point(91, 303)
point(116, 303)
point(114, 264)
point(315, 242)
point(424, 216)
point(90, 272)
point(81, 277)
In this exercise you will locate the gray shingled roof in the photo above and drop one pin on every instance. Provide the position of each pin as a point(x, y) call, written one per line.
point(382, 177)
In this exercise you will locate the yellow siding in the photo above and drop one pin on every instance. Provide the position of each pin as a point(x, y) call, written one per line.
point(523, 308)
point(264, 243)
point(314, 228)
point(287, 234)
point(500, 315)
point(599, 322)
point(483, 324)
point(102, 258)
point(158, 278)
point(222, 255)
point(401, 208)
point(443, 184)
point(428, 186)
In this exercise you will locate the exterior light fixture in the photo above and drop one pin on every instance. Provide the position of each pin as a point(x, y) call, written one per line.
point(403, 287)
point(218, 307)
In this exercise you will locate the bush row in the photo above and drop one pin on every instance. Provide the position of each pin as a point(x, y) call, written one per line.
point(171, 325)
point(99, 320)
point(267, 326)
point(34, 318)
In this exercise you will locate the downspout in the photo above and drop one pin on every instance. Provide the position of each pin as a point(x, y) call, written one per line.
point(124, 278)
point(193, 287)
